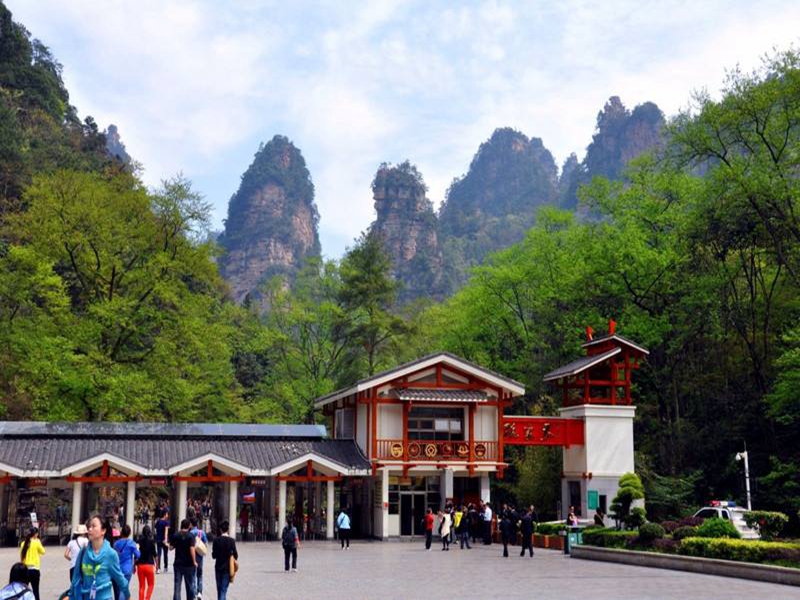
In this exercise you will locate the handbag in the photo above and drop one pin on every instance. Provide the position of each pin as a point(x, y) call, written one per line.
point(199, 546)
point(233, 567)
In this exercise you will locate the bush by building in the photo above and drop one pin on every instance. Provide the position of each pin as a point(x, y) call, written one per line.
point(742, 550)
point(717, 528)
point(768, 524)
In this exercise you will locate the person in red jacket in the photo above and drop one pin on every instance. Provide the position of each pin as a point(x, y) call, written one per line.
point(428, 529)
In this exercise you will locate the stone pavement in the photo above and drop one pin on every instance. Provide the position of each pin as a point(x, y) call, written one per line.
point(404, 570)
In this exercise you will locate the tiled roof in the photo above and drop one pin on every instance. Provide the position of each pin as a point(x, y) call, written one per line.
point(580, 365)
point(157, 456)
point(424, 395)
point(618, 338)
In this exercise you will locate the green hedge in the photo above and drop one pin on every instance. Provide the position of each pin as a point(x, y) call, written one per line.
point(608, 538)
point(550, 528)
point(742, 550)
point(718, 528)
point(768, 524)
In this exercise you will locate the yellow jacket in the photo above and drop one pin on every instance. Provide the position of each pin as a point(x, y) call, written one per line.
point(32, 558)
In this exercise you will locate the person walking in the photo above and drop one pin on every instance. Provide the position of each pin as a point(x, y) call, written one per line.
point(474, 522)
point(17, 588)
point(526, 528)
point(444, 529)
point(428, 529)
point(290, 540)
point(128, 552)
point(30, 553)
point(487, 525)
point(146, 565)
point(200, 535)
point(222, 551)
point(78, 542)
point(97, 567)
point(462, 527)
point(162, 539)
point(184, 564)
point(343, 523)
point(244, 521)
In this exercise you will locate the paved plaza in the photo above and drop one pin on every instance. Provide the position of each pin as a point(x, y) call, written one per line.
point(400, 570)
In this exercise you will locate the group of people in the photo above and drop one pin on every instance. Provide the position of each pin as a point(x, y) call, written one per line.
point(102, 565)
point(471, 521)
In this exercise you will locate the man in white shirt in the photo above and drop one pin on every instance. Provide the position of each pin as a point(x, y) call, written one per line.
point(487, 525)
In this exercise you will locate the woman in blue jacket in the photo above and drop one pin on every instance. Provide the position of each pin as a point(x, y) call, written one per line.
point(97, 567)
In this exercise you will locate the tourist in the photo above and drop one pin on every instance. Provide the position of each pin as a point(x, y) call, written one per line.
point(487, 524)
point(184, 565)
point(17, 588)
point(98, 567)
point(428, 529)
point(444, 529)
point(162, 537)
point(146, 565)
point(78, 542)
point(199, 534)
point(244, 521)
point(526, 528)
point(222, 552)
point(30, 553)
point(599, 518)
point(474, 522)
point(290, 540)
point(462, 527)
point(343, 523)
point(572, 519)
point(128, 552)
point(506, 530)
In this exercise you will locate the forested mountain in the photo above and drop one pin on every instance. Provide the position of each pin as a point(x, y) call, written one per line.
point(494, 204)
point(406, 225)
point(272, 220)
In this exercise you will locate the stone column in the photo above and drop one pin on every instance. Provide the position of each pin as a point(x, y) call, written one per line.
point(317, 507)
point(384, 504)
point(329, 509)
point(233, 504)
point(281, 506)
point(446, 485)
point(180, 512)
point(486, 494)
point(130, 505)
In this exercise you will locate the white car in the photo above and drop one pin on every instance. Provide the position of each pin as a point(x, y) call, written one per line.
point(729, 512)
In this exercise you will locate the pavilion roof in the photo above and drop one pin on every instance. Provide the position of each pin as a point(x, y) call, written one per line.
point(580, 365)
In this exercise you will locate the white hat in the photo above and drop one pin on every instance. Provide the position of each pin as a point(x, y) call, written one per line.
point(80, 530)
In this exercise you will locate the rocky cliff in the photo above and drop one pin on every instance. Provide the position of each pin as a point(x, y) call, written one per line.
point(114, 145)
point(272, 220)
point(494, 204)
point(620, 136)
point(406, 224)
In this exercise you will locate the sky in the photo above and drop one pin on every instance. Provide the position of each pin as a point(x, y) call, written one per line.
point(195, 86)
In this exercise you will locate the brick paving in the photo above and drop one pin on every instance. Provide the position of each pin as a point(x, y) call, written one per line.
point(396, 570)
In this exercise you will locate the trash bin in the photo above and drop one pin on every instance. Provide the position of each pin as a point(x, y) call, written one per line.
point(573, 537)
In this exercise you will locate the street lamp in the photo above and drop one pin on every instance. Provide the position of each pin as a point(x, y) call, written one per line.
point(739, 457)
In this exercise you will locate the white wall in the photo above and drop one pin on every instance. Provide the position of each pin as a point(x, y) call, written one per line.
point(486, 423)
point(390, 421)
point(361, 427)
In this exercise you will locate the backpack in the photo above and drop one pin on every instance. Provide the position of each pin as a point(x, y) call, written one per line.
point(288, 537)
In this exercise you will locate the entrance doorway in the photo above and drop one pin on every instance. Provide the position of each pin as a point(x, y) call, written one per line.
point(412, 511)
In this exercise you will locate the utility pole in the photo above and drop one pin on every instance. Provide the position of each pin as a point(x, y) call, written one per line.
point(743, 456)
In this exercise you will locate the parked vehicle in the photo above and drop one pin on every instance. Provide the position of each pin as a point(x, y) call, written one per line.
point(726, 509)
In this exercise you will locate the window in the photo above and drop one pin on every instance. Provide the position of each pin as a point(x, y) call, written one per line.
point(707, 513)
point(725, 515)
point(436, 423)
point(345, 423)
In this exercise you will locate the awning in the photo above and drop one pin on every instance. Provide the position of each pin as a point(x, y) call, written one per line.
point(426, 395)
point(580, 365)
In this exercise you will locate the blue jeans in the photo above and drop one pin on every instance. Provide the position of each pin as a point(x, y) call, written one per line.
point(199, 575)
point(223, 581)
point(188, 576)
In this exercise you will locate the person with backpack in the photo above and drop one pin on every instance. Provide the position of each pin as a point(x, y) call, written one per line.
point(146, 565)
point(30, 553)
point(184, 565)
point(222, 552)
point(97, 567)
point(343, 523)
point(17, 588)
point(200, 549)
point(290, 540)
point(78, 542)
point(128, 552)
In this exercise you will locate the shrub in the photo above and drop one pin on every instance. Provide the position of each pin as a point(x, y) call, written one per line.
point(636, 518)
point(717, 528)
point(670, 526)
point(742, 550)
point(650, 532)
point(684, 532)
point(768, 524)
point(549, 528)
point(666, 546)
point(691, 522)
point(607, 538)
point(630, 489)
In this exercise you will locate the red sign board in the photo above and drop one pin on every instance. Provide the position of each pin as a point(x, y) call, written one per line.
point(37, 482)
point(542, 431)
point(158, 481)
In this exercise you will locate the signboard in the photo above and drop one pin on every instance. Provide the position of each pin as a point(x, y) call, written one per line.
point(542, 431)
point(377, 495)
point(158, 481)
point(37, 482)
point(593, 500)
point(34, 520)
point(258, 481)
